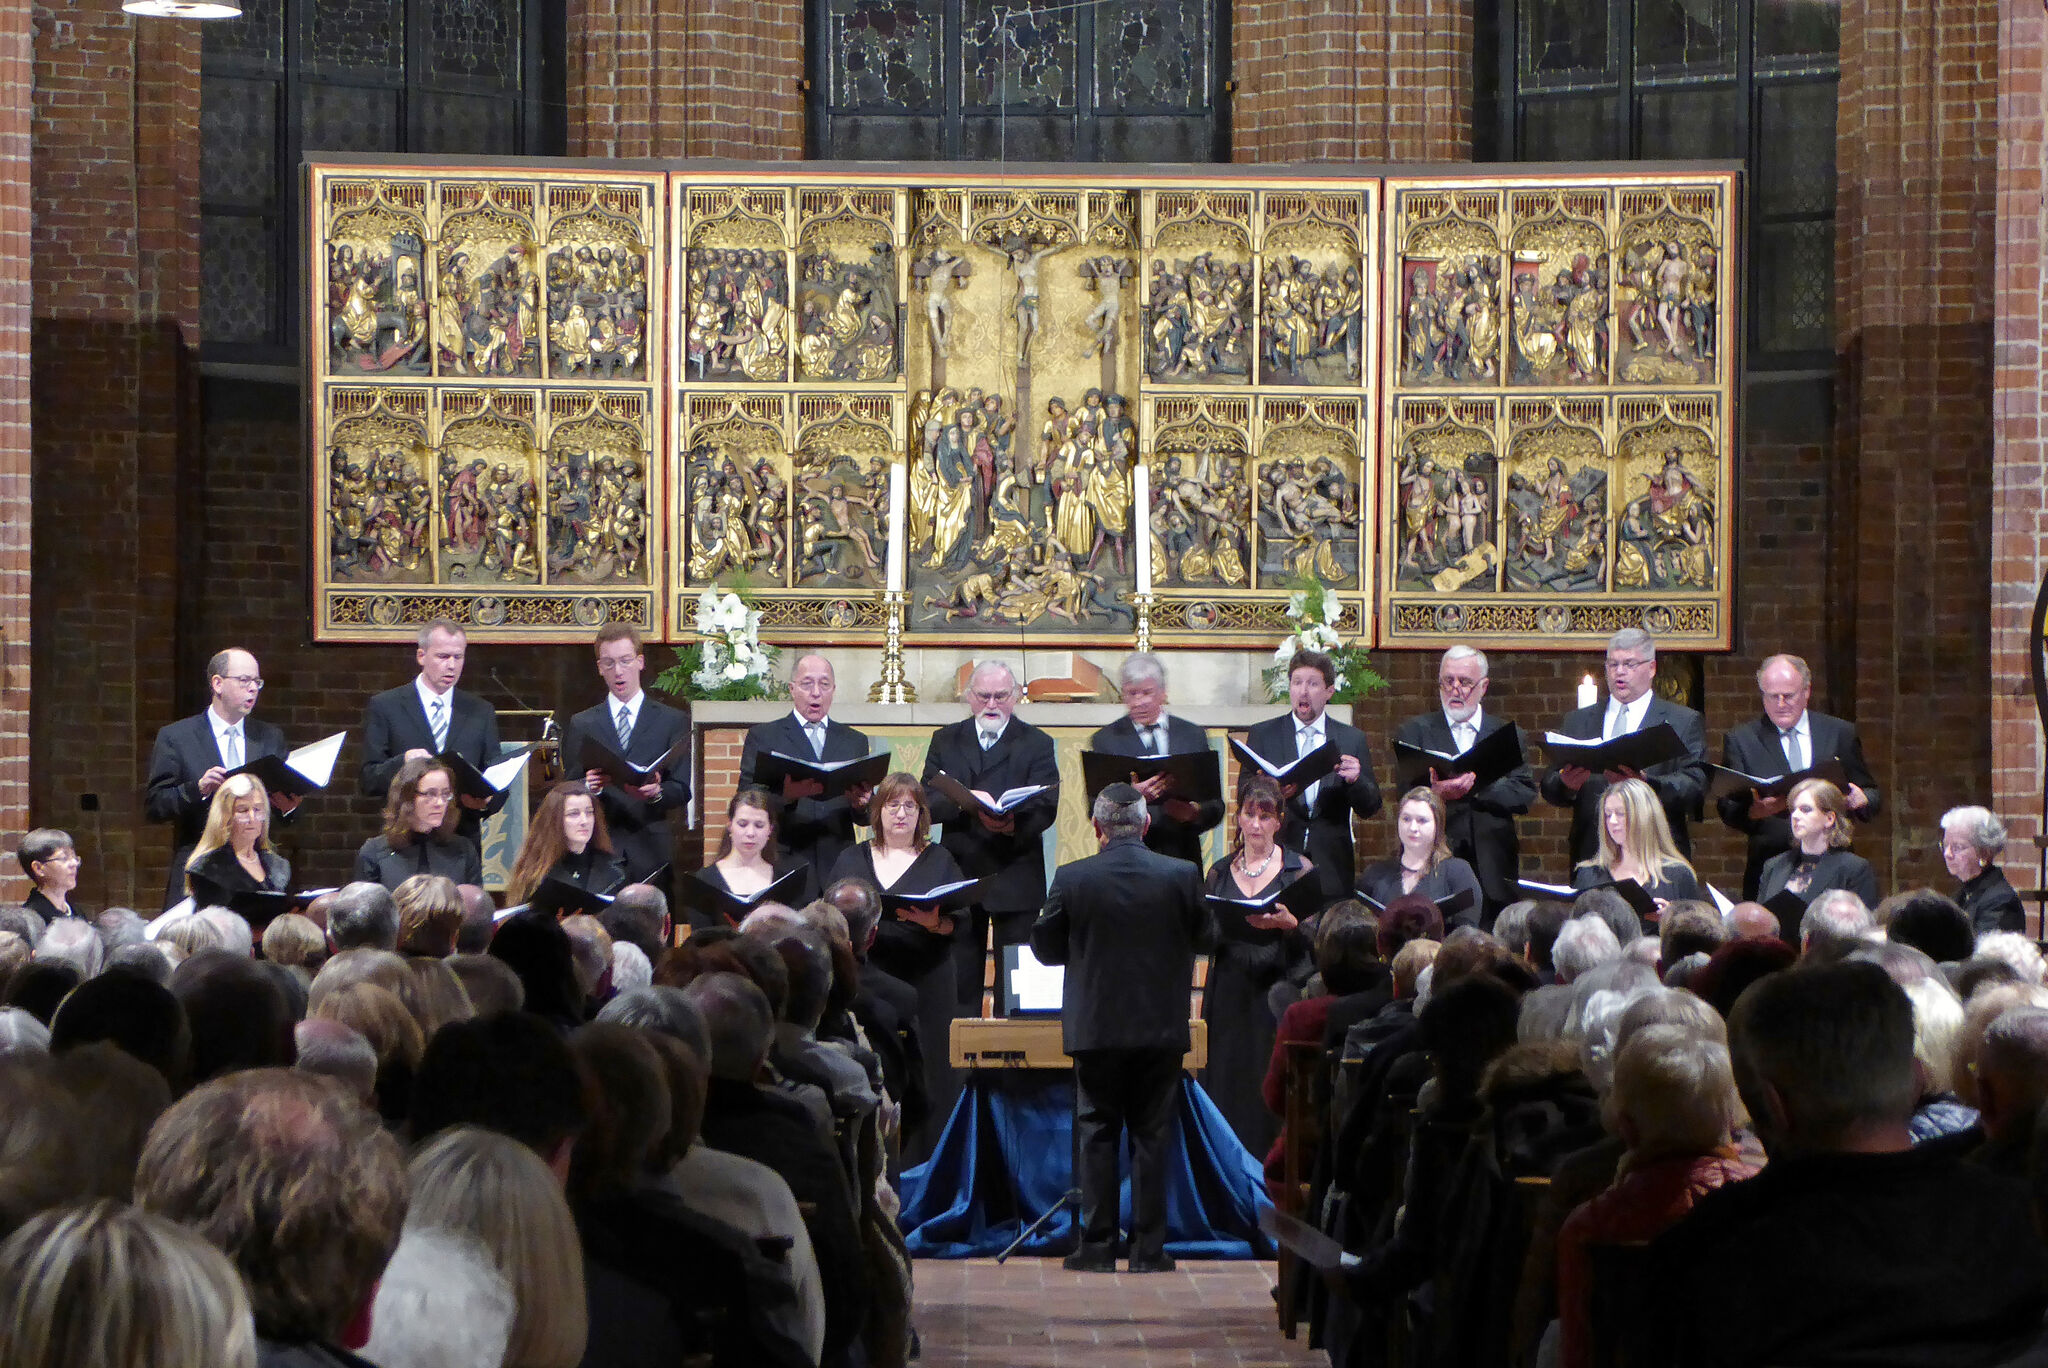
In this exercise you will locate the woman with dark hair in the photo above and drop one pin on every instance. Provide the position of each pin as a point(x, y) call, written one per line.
point(1422, 862)
point(566, 840)
point(233, 854)
point(536, 948)
point(419, 836)
point(1242, 972)
point(1820, 858)
point(913, 943)
point(50, 860)
point(748, 858)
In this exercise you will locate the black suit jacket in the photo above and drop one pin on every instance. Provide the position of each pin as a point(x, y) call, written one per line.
point(1324, 835)
point(640, 832)
point(1681, 784)
point(1481, 829)
point(455, 858)
point(1014, 862)
point(1127, 923)
point(396, 723)
point(1181, 840)
point(1756, 748)
point(815, 830)
point(184, 750)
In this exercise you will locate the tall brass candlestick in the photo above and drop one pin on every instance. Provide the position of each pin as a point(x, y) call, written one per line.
point(893, 687)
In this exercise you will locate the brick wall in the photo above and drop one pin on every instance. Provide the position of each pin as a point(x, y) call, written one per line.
point(686, 78)
point(17, 66)
point(1351, 80)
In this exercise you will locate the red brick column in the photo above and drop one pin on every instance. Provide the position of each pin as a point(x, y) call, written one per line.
point(686, 78)
point(1351, 80)
point(17, 73)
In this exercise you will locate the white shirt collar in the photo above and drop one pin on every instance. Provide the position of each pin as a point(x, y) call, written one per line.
point(1315, 726)
point(1158, 724)
point(631, 705)
point(221, 726)
point(1478, 716)
point(1800, 727)
point(981, 728)
point(1632, 713)
point(428, 697)
point(803, 724)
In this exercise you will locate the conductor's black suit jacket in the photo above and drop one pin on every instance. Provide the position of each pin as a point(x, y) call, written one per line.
point(1481, 829)
point(1182, 840)
point(1127, 923)
point(639, 829)
point(1323, 834)
point(184, 750)
point(1681, 783)
point(815, 830)
point(1013, 862)
point(396, 723)
point(1756, 747)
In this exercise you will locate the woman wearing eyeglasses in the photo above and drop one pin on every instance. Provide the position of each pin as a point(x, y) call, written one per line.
point(419, 835)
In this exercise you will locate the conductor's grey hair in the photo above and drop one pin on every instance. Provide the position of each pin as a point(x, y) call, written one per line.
point(1117, 815)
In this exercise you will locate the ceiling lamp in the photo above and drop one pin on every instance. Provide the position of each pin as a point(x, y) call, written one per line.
point(185, 9)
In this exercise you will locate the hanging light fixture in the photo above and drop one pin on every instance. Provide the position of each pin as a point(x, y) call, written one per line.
point(185, 9)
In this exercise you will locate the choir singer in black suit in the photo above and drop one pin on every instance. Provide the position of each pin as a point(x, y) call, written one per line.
point(1788, 738)
point(430, 717)
point(1319, 816)
point(991, 752)
point(1481, 821)
point(1632, 706)
point(641, 730)
point(193, 755)
point(812, 827)
point(1146, 729)
point(1127, 923)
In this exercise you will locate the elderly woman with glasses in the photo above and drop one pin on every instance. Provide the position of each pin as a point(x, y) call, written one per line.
point(1972, 839)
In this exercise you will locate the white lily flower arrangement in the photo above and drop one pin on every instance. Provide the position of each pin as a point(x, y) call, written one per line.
point(1313, 611)
point(729, 663)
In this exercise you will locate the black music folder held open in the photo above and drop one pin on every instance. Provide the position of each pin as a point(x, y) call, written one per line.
point(1197, 775)
point(1492, 757)
point(1636, 750)
point(771, 768)
point(701, 894)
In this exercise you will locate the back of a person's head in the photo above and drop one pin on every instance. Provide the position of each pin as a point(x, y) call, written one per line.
point(1928, 921)
point(15, 951)
point(429, 915)
point(491, 985)
point(2012, 1068)
point(1583, 944)
point(1349, 960)
point(537, 949)
point(332, 1050)
point(21, 1033)
point(362, 914)
point(486, 1186)
point(630, 1117)
point(1673, 1093)
point(1738, 964)
point(1937, 1021)
point(433, 994)
point(1834, 925)
point(141, 1017)
point(441, 1304)
point(2015, 950)
point(1669, 1007)
point(661, 1009)
point(104, 1285)
point(119, 1099)
point(22, 922)
point(737, 1020)
point(379, 1017)
point(1689, 928)
point(636, 916)
point(1546, 919)
point(42, 1140)
point(119, 926)
point(511, 1073)
point(479, 920)
point(1465, 1025)
point(362, 964)
point(73, 941)
point(688, 1074)
point(294, 1181)
point(590, 950)
point(1511, 927)
point(239, 1016)
point(38, 988)
point(1408, 918)
point(1409, 964)
point(1822, 1052)
point(1613, 909)
point(144, 959)
point(293, 939)
point(232, 928)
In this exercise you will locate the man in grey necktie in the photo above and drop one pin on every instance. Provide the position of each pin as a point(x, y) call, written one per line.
point(1177, 822)
point(437, 715)
point(623, 722)
point(811, 827)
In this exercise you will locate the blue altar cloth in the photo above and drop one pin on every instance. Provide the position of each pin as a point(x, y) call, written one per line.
point(1006, 1154)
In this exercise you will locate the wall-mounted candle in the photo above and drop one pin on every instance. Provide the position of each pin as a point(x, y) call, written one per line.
point(897, 531)
point(1141, 523)
point(1589, 692)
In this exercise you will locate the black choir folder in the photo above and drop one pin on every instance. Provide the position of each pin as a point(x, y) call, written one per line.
point(1722, 781)
point(1490, 759)
point(560, 898)
point(599, 756)
point(771, 768)
point(1009, 800)
point(704, 896)
point(1300, 772)
point(1448, 906)
point(258, 906)
point(304, 771)
point(945, 897)
point(1636, 750)
point(1632, 893)
point(1301, 896)
point(1197, 775)
point(492, 779)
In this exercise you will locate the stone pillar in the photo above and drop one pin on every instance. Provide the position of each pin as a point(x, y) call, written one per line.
point(686, 78)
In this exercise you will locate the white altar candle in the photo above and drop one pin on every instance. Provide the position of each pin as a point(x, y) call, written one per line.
point(897, 530)
point(1589, 692)
point(1141, 523)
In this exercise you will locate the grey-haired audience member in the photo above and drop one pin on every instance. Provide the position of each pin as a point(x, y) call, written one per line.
point(362, 914)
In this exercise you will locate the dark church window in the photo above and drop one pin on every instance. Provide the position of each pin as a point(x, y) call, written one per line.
point(1001, 80)
point(295, 78)
point(1754, 80)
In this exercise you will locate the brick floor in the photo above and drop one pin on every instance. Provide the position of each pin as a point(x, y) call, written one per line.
point(1031, 1313)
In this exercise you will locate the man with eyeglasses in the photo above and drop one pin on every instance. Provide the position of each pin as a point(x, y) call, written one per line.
point(635, 727)
point(1788, 738)
point(1176, 824)
point(811, 827)
point(1632, 705)
point(990, 752)
point(1481, 829)
point(193, 757)
point(430, 717)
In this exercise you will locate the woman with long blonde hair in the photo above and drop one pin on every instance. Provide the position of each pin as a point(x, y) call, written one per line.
point(234, 855)
point(1635, 843)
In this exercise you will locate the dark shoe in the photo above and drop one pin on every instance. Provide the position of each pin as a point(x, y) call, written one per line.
point(1090, 1259)
point(1156, 1263)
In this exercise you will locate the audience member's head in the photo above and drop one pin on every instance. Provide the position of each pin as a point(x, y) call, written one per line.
point(429, 915)
point(1408, 918)
point(1511, 927)
point(1835, 923)
point(119, 1099)
point(2016, 950)
point(185, 936)
point(362, 914)
point(232, 929)
point(1464, 1026)
point(1753, 921)
point(72, 941)
point(638, 915)
point(490, 983)
point(1937, 1021)
point(1689, 928)
point(1409, 963)
point(141, 1017)
point(119, 926)
point(1738, 964)
point(590, 951)
point(331, 1050)
point(240, 1018)
point(861, 904)
point(42, 1139)
point(1584, 943)
point(292, 1180)
point(1824, 1058)
point(661, 1009)
point(1348, 958)
point(1546, 920)
point(107, 1286)
point(630, 1120)
point(738, 1021)
point(479, 1184)
point(14, 952)
point(22, 922)
point(144, 960)
point(630, 968)
point(479, 919)
point(38, 988)
point(294, 941)
point(1613, 909)
point(384, 968)
point(21, 1033)
point(1928, 921)
point(441, 1304)
point(1668, 1007)
point(2012, 1072)
point(316, 910)
point(1978, 1014)
point(379, 1017)
point(537, 949)
point(434, 995)
point(511, 1073)
point(1673, 1094)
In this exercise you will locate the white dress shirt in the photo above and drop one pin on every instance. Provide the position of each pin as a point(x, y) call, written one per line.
point(1623, 718)
point(1464, 734)
point(231, 739)
point(1798, 746)
point(814, 732)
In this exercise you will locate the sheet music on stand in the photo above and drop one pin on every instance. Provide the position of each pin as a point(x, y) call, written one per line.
point(1031, 988)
